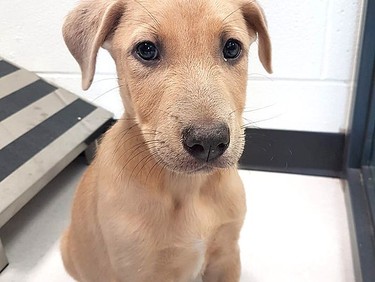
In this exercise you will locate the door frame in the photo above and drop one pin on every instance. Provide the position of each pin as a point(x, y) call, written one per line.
point(360, 194)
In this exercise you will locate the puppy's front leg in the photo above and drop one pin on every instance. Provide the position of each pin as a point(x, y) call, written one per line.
point(224, 268)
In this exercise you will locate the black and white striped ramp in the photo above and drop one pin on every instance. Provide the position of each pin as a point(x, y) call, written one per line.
point(42, 129)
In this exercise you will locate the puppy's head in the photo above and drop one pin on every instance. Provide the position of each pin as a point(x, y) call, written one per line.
point(182, 67)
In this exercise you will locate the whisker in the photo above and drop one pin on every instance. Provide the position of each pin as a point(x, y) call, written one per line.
point(131, 174)
point(223, 21)
point(148, 12)
point(139, 135)
point(262, 120)
point(156, 163)
point(138, 146)
point(260, 108)
point(252, 110)
point(161, 170)
point(126, 131)
point(104, 79)
point(147, 160)
point(261, 75)
point(110, 90)
point(127, 119)
point(132, 158)
point(230, 14)
point(251, 134)
point(147, 25)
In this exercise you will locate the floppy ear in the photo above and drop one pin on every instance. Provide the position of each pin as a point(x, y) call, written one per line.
point(256, 20)
point(85, 30)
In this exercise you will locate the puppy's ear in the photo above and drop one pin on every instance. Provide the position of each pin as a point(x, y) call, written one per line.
point(256, 21)
point(85, 30)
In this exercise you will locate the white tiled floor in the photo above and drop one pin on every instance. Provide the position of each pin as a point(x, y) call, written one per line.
point(296, 230)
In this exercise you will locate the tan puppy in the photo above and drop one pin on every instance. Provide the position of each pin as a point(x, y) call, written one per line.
point(162, 200)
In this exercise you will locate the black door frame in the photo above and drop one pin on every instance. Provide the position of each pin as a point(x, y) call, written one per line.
point(359, 149)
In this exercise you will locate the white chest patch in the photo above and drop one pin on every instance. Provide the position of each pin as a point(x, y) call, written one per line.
point(200, 246)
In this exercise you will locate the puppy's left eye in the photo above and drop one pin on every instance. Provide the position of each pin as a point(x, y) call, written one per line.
point(232, 49)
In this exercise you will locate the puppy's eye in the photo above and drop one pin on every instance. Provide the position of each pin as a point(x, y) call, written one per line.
point(147, 51)
point(232, 49)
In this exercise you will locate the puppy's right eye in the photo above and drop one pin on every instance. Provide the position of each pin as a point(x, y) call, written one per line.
point(147, 51)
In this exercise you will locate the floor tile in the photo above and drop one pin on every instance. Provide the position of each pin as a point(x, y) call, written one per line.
point(296, 230)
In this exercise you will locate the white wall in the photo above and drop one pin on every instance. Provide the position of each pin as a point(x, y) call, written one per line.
point(314, 49)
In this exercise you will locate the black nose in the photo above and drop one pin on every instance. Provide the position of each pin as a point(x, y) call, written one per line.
point(206, 142)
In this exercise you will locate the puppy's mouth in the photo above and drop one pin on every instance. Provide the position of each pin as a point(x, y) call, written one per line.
point(207, 168)
point(189, 165)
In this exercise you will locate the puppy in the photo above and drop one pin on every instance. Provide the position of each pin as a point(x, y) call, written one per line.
point(162, 200)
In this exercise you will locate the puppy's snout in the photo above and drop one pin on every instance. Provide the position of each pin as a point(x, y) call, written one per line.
point(207, 142)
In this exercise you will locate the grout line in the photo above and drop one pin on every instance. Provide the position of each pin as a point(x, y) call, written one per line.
point(71, 73)
point(250, 78)
point(299, 80)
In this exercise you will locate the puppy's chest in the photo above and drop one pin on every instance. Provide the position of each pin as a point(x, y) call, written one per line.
point(187, 241)
point(187, 257)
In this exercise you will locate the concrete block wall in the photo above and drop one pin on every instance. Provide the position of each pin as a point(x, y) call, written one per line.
point(315, 43)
